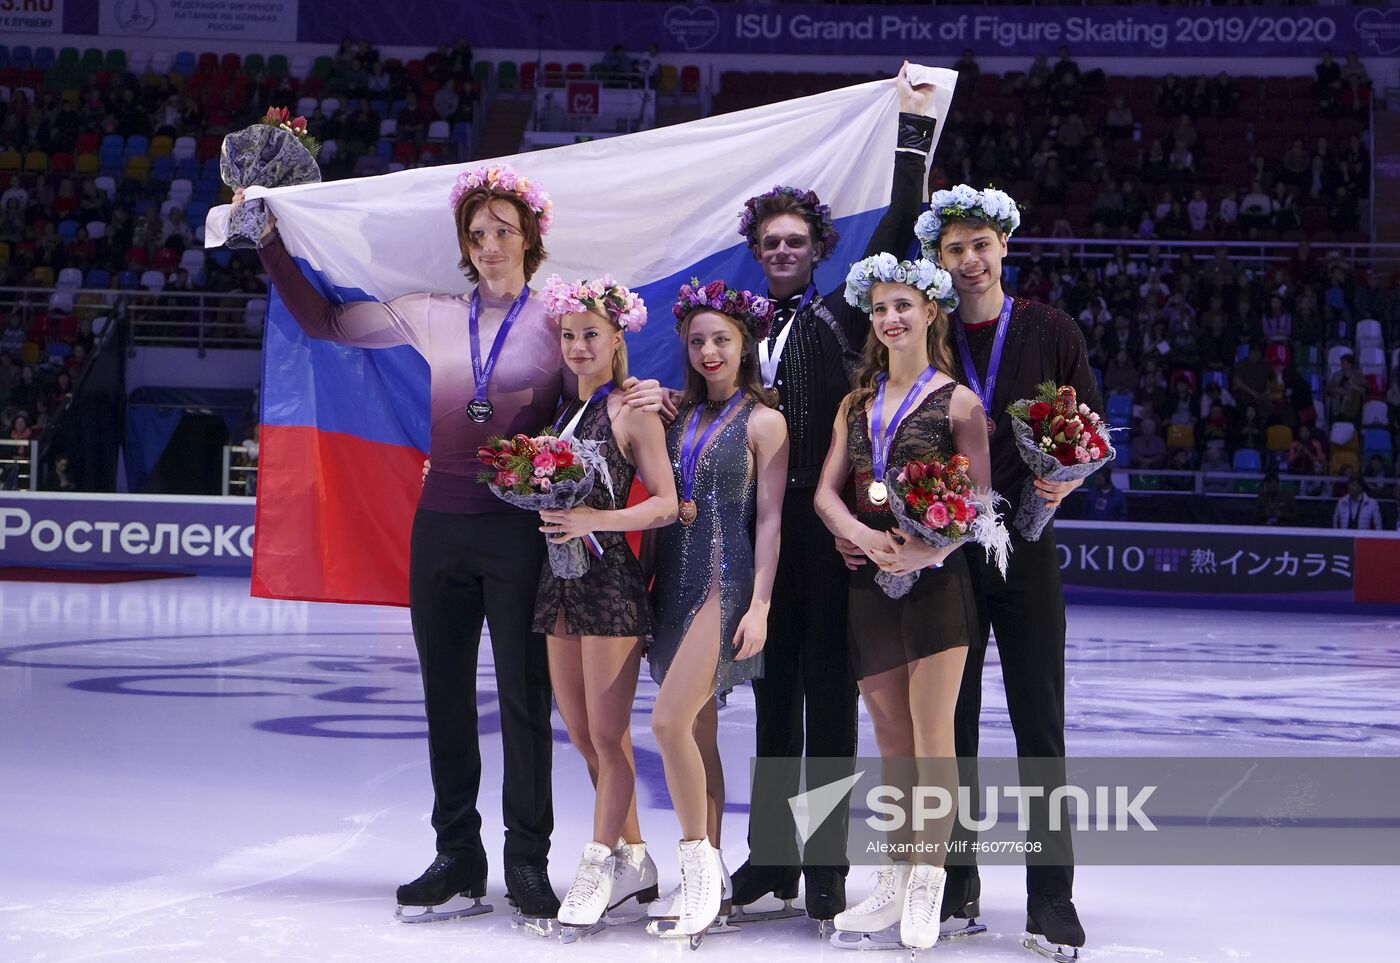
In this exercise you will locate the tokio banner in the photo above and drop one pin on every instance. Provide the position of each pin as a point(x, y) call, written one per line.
point(915, 32)
point(176, 533)
point(1227, 562)
point(214, 21)
point(30, 16)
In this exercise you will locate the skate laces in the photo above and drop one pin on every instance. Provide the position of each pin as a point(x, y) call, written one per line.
point(884, 890)
point(924, 894)
point(586, 883)
point(692, 874)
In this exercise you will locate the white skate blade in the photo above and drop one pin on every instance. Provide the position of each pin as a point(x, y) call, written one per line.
point(885, 939)
point(668, 929)
point(958, 928)
point(572, 934)
point(538, 926)
point(458, 907)
point(1051, 951)
point(744, 914)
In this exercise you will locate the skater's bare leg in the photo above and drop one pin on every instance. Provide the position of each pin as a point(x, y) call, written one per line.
point(933, 687)
point(688, 687)
point(707, 738)
point(611, 663)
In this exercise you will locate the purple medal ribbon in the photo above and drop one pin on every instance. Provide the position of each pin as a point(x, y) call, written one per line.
point(602, 392)
point(882, 438)
point(690, 451)
point(984, 392)
point(482, 371)
point(590, 540)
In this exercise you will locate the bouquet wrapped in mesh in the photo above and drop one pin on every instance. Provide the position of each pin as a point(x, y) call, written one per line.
point(547, 474)
point(275, 152)
point(939, 505)
point(1060, 440)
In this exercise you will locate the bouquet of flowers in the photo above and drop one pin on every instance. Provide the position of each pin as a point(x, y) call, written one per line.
point(1060, 440)
point(275, 152)
point(938, 504)
point(546, 474)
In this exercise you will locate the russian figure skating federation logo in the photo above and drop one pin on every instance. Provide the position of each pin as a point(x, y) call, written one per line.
point(136, 16)
point(1380, 29)
point(693, 27)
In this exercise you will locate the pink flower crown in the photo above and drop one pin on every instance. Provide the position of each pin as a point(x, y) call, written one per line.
point(624, 308)
point(751, 310)
point(504, 179)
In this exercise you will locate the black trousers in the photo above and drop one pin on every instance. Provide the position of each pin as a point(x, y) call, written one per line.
point(1027, 612)
point(806, 698)
point(463, 568)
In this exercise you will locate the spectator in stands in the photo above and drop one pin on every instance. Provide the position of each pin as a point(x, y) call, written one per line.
point(1216, 462)
point(1198, 212)
point(175, 230)
point(1329, 79)
point(968, 72)
point(616, 61)
point(60, 478)
point(648, 65)
point(1250, 376)
point(1277, 323)
point(1148, 449)
point(1106, 501)
point(1346, 390)
point(377, 83)
point(1256, 209)
point(19, 428)
point(1224, 96)
point(1307, 455)
point(1275, 504)
point(413, 123)
point(14, 337)
point(1377, 472)
point(1358, 510)
point(1295, 164)
point(1227, 214)
point(1120, 377)
point(12, 221)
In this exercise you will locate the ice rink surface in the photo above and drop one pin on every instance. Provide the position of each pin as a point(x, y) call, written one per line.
point(190, 774)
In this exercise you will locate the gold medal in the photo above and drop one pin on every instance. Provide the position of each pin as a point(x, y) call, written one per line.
point(878, 493)
point(687, 512)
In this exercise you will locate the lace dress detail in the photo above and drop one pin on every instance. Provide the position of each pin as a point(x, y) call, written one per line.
point(609, 600)
point(715, 552)
point(940, 610)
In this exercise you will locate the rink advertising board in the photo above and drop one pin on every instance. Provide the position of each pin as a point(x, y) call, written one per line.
point(1228, 562)
point(209, 536)
point(833, 30)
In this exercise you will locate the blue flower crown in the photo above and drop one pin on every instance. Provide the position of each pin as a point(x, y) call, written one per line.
point(923, 275)
point(964, 201)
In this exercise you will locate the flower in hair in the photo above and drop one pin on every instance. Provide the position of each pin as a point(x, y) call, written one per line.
point(750, 310)
point(964, 201)
point(622, 307)
point(504, 179)
point(826, 232)
point(923, 275)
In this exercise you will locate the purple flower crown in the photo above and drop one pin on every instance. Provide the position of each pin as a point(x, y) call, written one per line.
point(751, 310)
point(827, 236)
point(504, 179)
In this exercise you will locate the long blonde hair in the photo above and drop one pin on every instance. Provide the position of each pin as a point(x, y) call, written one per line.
point(875, 357)
point(697, 389)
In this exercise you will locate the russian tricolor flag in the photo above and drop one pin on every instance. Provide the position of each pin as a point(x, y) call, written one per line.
point(345, 430)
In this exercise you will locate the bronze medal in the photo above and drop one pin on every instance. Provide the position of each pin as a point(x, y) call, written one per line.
point(687, 512)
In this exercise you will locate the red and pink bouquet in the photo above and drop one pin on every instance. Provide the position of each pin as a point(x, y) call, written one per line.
point(939, 504)
point(544, 474)
point(1060, 439)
